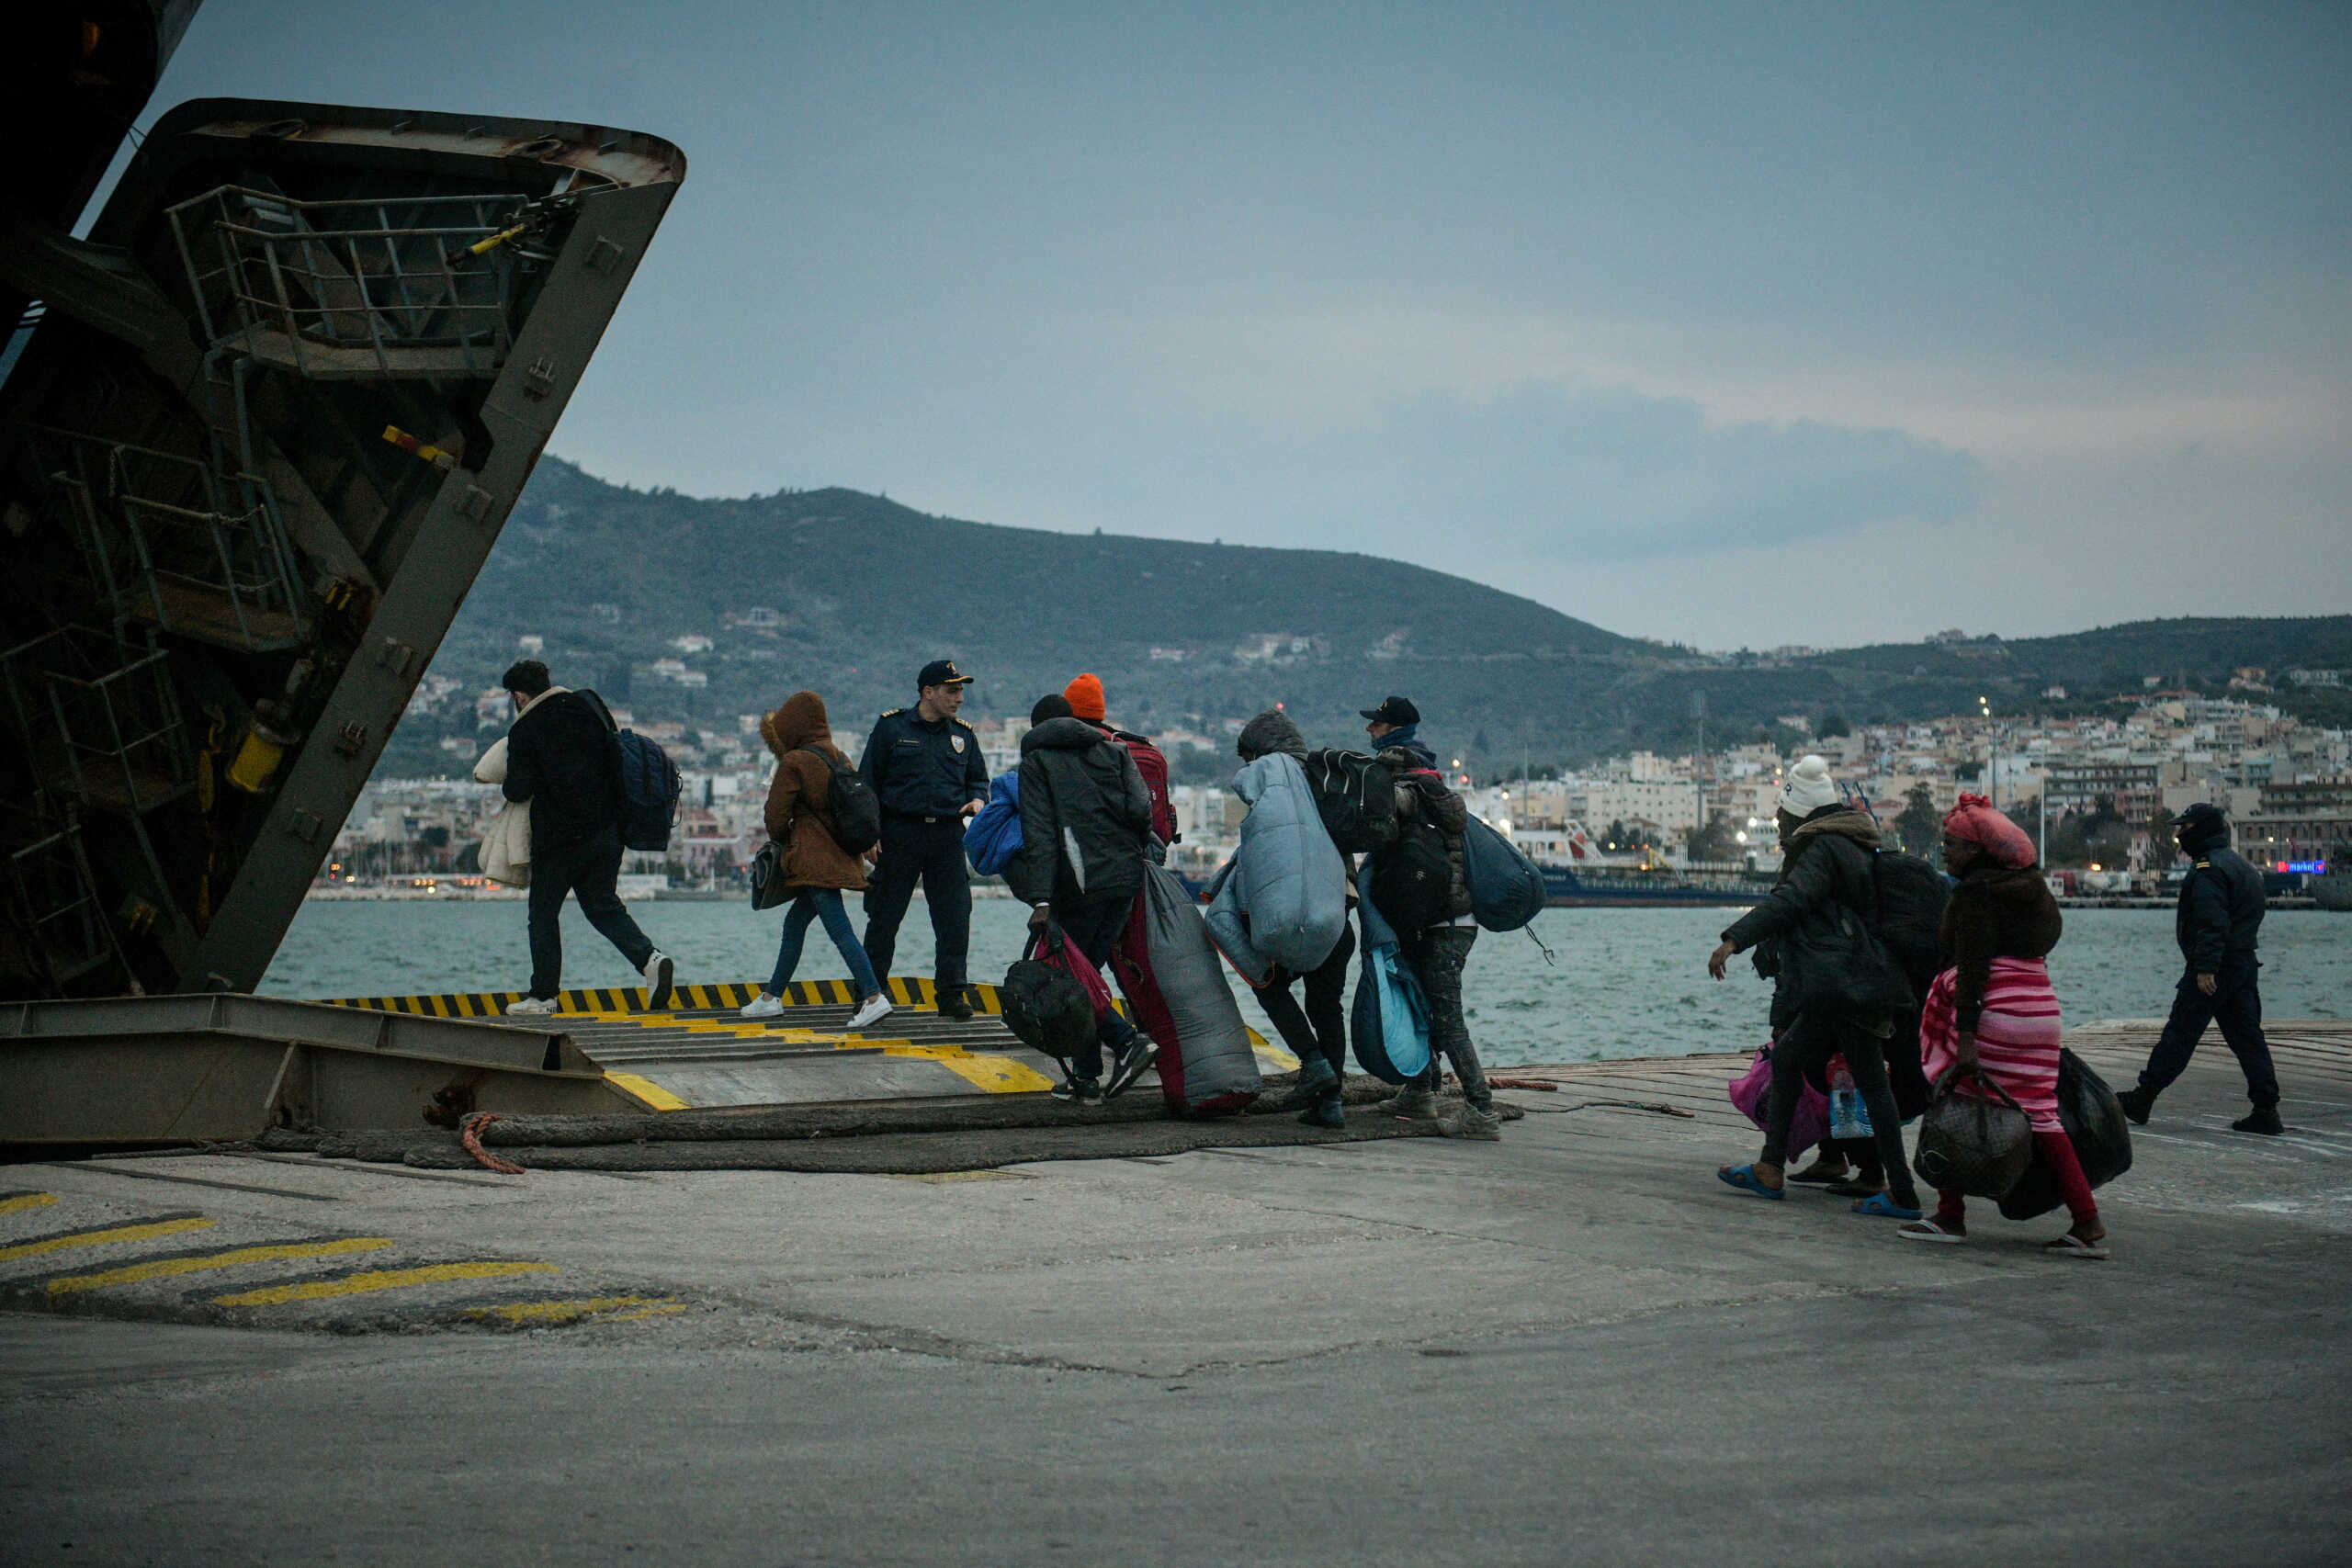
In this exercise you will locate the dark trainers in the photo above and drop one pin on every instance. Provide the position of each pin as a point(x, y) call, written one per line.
point(1413, 1102)
point(1136, 1058)
point(2137, 1102)
point(1471, 1122)
point(1315, 1079)
point(955, 1001)
point(1079, 1091)
point(1325, 1112)
point(2261, 1119)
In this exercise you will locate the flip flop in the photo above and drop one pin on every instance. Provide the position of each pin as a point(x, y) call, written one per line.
point(2072, 1246)
point(1743, 1178)
point(1928, 1230)
point(1881, 1207)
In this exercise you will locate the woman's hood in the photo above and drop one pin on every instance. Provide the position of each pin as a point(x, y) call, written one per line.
point(1269, 771)
point(801, 721)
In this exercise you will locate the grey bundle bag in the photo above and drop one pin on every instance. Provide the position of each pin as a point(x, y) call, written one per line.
point(1977, 1144)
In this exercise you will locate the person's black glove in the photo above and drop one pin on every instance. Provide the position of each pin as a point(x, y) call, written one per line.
point(1039, 918)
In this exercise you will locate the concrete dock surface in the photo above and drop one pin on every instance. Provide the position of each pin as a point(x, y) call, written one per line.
point(1572, 1345)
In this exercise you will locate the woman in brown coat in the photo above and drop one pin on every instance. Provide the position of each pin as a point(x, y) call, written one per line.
point(817, 870)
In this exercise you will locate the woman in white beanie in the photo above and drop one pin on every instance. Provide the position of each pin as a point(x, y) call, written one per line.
point(1826, 892)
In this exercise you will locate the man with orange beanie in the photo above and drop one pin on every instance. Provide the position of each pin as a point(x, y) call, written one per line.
point(1084, 695)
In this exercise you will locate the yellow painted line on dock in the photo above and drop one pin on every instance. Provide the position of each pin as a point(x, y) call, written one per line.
point(17, 1202)
point(103, 1238)
point(997, 1074)
point(610, 1309)
point(379, 1279)
point(644, 1088)
point(164, 1268)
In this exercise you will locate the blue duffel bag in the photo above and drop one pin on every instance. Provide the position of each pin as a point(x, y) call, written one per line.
point(1505, 887)
point(1389, 1024)
point(994, 837)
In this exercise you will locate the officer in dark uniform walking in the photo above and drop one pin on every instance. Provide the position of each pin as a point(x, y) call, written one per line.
point(924, 764)
point(2221, 910)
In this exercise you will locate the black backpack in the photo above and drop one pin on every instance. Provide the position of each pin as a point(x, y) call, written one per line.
point(1910, 918)
point(1356, 796)
point(649, 785)
point(1046, 1006)
point(1413, 877)
point(850, 800)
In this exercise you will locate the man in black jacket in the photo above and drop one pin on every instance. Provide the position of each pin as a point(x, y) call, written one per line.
point(1085, 816)
point(2219, 915)
point(564, 758)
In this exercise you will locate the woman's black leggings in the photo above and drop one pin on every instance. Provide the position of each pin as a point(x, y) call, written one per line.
point(1806, 1043)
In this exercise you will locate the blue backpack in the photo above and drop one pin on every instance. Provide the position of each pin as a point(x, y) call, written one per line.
point(1389, 1022)
point(1505, 887)
point(994, 837)
point(649, 786)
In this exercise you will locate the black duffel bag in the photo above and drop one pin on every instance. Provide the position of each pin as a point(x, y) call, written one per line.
point(2094, 1122)
point(1975, 1144)
point(1044, 1003)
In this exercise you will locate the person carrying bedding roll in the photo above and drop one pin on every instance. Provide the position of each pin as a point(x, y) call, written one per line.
point(1317, 1034)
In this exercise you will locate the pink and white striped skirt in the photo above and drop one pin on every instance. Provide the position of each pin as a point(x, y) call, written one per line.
point(2016, 1037)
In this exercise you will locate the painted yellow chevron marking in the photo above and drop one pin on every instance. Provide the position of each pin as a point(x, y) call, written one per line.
point(17, 1202)
point(997, 1074)
point(379, 1280)
point(164, 1268)
point(611, 1309)
point(103, 1238)
point(646, 1089)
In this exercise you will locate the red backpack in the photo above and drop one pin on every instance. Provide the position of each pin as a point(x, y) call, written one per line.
point(1153, 767)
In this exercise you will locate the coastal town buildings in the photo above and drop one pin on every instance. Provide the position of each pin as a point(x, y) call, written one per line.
point(2287, 786)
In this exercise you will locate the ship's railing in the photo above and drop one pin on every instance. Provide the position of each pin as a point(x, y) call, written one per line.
point(396, 287)
point(98, 719)
point(176, 541)
point(53, 927)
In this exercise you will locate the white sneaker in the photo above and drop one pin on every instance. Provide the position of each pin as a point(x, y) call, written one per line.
point(763, 1006)
point(533, 1007)
point(658, 973)
point(870, 1011)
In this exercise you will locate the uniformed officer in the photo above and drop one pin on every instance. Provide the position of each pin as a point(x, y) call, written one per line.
point(924, 764)
point(2221, 910)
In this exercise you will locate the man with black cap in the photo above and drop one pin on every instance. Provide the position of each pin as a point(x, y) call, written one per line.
point(2221, 911)
point(1397, 722)
point(924, 764)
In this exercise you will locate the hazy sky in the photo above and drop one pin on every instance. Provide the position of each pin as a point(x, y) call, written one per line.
point(1731, 324)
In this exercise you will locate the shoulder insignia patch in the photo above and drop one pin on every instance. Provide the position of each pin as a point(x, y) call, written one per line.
point(2202, 865)
point(894, 712)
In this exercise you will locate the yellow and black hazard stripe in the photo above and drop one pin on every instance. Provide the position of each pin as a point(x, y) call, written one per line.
point(905, 991)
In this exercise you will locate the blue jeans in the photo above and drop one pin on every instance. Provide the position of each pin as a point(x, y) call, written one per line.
point(821, 904)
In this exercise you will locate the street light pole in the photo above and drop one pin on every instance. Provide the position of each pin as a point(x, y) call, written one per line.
point(1993, 754)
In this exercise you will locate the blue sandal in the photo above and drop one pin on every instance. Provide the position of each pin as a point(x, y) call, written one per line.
point(1880, 1206)
point(1743, 1178)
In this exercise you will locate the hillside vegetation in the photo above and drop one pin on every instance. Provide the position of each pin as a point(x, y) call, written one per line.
point(863, 591)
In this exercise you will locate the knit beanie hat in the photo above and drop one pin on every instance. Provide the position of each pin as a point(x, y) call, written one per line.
point(1085, 695)
point(1809, 788)
point(1050, 706)
point(1976, 820)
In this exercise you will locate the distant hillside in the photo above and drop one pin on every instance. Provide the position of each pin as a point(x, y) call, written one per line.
point(863, 591)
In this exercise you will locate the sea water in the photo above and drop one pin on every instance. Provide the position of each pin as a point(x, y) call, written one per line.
point(1626, 983)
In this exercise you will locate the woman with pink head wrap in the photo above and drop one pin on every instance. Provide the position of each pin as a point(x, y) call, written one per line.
point(1994, 1011)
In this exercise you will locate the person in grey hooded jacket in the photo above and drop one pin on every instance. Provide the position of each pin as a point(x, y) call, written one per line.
point(1314, 870)
point(1084, 817)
